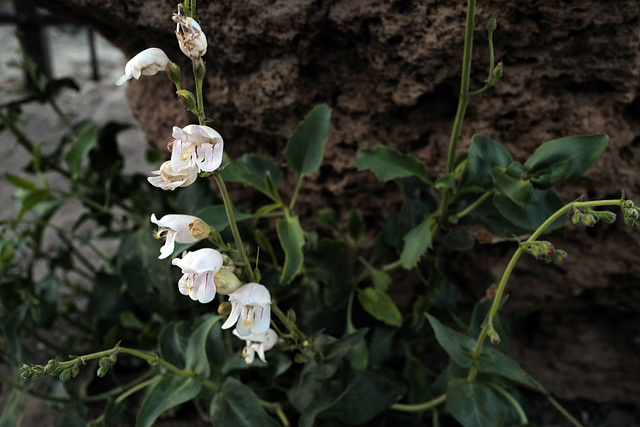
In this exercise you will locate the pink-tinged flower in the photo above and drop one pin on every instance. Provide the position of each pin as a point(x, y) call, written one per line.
point(191, 39)
point(197, 147)
point(257, 344)
point(251, 309)
point(198, 271)
point(175, 228)
point(168, 179)
point(147, 63)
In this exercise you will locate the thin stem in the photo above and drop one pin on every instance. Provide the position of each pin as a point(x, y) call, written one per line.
point(507, 272)
point(462, 106)
point(491, 80)
point(480, 200)
point(295, 192)
point(516, 405)
point(61, 114)
point(138, 387)
point(277, 408)
point(234, 227)
point(420, 407)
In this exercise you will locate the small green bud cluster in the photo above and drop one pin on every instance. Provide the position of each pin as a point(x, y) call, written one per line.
point(544, 251)
point(53, 367)
point(631, 213)
point(105, 363)
point(591, 217)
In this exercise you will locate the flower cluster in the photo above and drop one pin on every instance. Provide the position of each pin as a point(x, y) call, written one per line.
point(197, 149)
point(544, 251)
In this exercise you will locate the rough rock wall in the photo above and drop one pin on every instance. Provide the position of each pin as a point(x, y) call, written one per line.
point(390, 72)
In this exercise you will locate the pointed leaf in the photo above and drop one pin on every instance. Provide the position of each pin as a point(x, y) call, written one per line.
point(517, 189)
point(292, 240)
point(250, 170)
point(484, 154)
point(356, 225)
point(530, 217)
point(171, 391)
point(388, 163)
point(475, 404)
point(458, 346)
point(306, 145)
point(196, 355)
point(236, 405)
point(379, 305)
point(86, 140)
point(564, 159)
point(416, 244)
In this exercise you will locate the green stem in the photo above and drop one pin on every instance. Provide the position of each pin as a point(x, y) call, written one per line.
point(199, 78)
point(480, 200)
point(420, 407)
point(490, 80)
point(507, 273)
point(234, 227)
point(138, 387)
point(513, 401)
point(63, 117)
point(295, 192)
point(277, 408)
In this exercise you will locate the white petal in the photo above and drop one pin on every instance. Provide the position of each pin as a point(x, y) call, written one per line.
point(233, 317)
point(260, 349)
point(167, 249)
point(178, 223)
point(200, 261)
point(252, 294)
point(206, 288)
point(262, 320)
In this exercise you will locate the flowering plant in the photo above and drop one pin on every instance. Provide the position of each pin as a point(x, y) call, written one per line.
point(333, 346)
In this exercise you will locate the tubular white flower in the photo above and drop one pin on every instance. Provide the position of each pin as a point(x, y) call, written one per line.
point(257, 344)
point(251, 309)
point(175, 228)
point(196, 146)
point(198, 270)
point(147, 63)
point(191, 39)
point(169, 179)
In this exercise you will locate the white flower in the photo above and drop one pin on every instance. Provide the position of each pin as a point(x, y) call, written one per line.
point(196, 146)
point(191, 39)
point(169, 179)
point(251, 309)
point(198, 271)
point(257, 344)
point(175, 228)
point(147, 63)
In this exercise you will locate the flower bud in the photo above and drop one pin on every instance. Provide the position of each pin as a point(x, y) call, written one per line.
point(102, 371)
point(65, 375)
point(226, 282)
point(545, 258)
point(607, 216)
point(174, 73)
point(113, 359)
point(547, 247)
point(224, 309)
point(199, 229)
point(187, 99)
point(576, 219)
point(492, 25)
point(560, 256)
point(629, 221)
point(633, 213)
point(104, 362)
point(497, 72)
point(75, 371)
point(589, 220)
point(51, 366)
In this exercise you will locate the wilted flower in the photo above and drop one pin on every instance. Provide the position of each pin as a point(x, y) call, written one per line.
point(147, 63)
point(251, 309)
point(198, 271)
point(191, 39)
point(197, 147)
point(257, 343)
point(169, 179)
point(175, 228)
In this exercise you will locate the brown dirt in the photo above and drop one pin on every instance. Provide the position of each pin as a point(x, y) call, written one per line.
point(389, 70)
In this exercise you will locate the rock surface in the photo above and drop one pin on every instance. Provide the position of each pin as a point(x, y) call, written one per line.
point(389, 70)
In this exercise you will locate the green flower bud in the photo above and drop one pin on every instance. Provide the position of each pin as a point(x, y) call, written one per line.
point(607, 216)
point(113, 359)
point(589, 220)
point(497, 72)
point(576, 218)
point(65, 375)
point(199, 229)
point(492, 25)
point(629, 221)
point(226, 282)
point(560, 256)
point(633, 213)
point(102, 371)
point(75, 371)
point(174, 73)
point(545, 258)
point(187, 99)
point(224, 309)
point(104, 362)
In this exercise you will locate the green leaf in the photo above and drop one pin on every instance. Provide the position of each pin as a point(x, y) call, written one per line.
point(172, 342)
point(85, 142)
point(196, 356)
point(379, 305)
point(530, 217)
point(328, 217)
point(356, 226)
point(171, 391)
point(236, 405)
point(564, 159)
point(216, 216)
point(352, 409)
point(484, 154)
point(458, 346)
point(388, 163)
point(380, 278)
point(514, 187)
point(292, 240)
point(251, 170)
point(416, 243)
point(31, 200)
point(492, 361)
point(20, 182)
point(306, 145)
point(475, 404)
